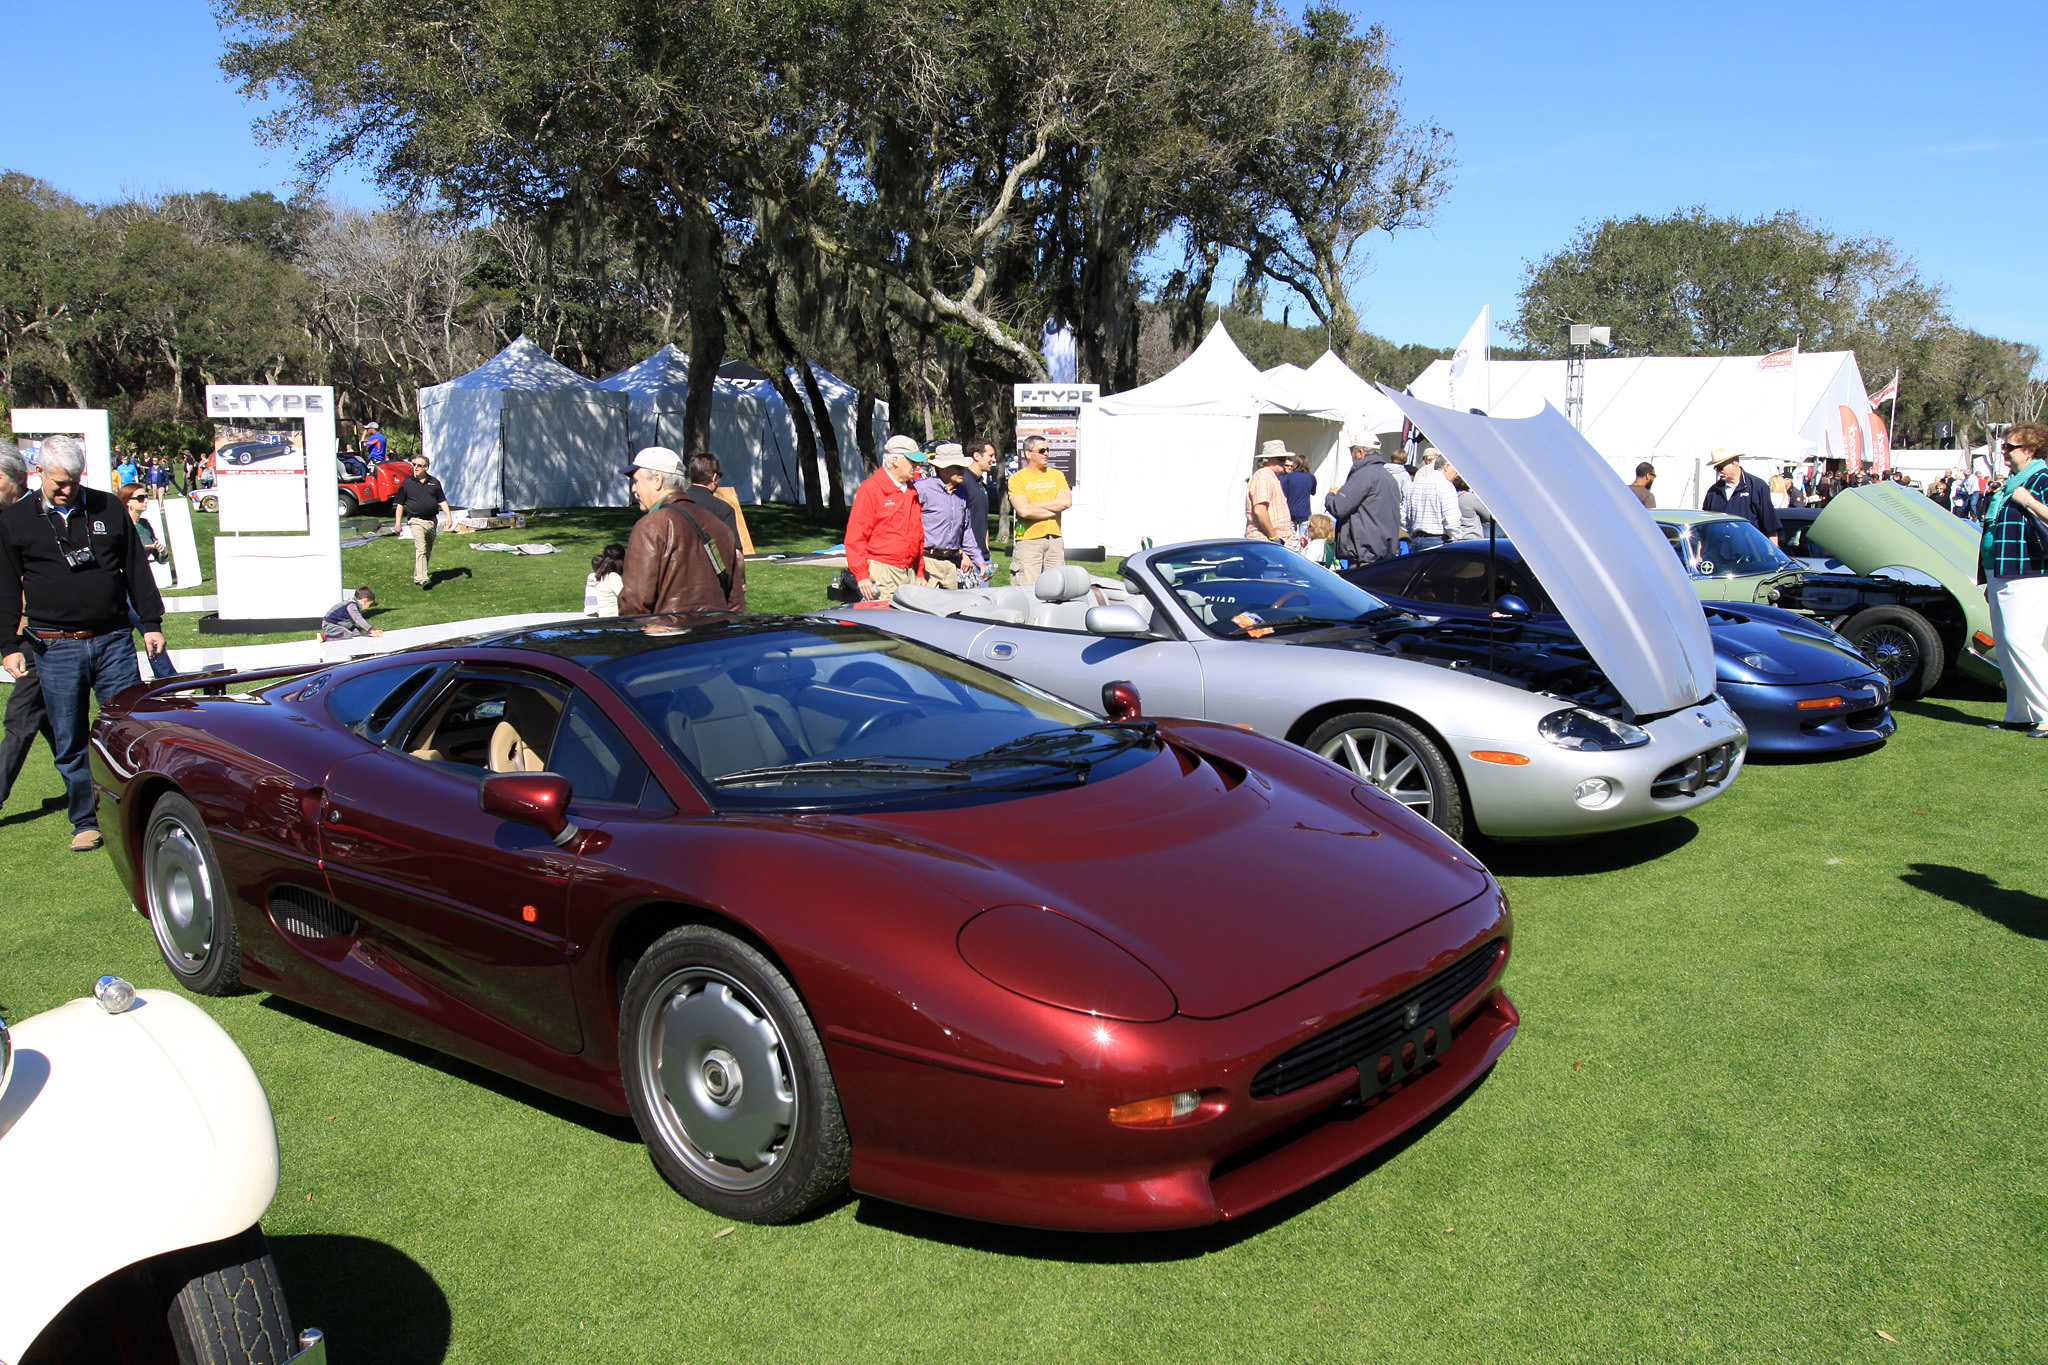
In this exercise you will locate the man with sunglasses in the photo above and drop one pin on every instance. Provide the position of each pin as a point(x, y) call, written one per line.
point(417, 509)
point(72, 560)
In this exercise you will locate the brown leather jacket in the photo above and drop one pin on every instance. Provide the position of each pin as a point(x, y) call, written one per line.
point(667, 569)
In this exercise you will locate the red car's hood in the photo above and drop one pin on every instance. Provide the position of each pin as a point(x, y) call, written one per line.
point(1230, 885)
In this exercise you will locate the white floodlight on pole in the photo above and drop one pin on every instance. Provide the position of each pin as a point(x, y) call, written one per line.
point(1583, 336)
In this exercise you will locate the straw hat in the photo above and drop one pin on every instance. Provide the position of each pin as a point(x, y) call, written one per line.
point(1273, 450)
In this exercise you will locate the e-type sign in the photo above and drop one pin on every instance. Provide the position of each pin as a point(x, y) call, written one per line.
point(229, 402)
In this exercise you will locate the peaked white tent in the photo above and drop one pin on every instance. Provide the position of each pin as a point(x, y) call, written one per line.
point(1367, 412)
point(780, 478)
point(1675, 410)
point(1169, 460)
point(656, 390)
point(524, 430)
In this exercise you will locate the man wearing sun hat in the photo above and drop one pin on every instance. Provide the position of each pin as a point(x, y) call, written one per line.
point(1740, 493)
point(678, 558)
point(885, 526)
point(1265, 501)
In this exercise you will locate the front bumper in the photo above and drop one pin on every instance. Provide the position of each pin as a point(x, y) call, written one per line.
point(1778, 724)
point(1541, 800)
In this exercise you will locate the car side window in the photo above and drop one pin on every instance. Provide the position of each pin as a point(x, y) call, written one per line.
point(1453, 580)
point(601, 766)
point(488, 722)
point(367, 701)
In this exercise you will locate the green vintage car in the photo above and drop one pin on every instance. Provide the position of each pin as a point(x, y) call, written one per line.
point(1909, 622)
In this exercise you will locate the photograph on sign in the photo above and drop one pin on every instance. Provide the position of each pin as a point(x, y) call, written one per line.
point(1062, 433)
point(260, 473)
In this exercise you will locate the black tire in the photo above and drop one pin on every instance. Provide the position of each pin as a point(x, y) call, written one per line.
point(1901, 644)
point(227, 1307)
point(1400, 760)
point(187, 899)
point(345, 502)
point(757, 1134)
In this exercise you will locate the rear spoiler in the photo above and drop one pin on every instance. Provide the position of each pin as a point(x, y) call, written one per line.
point(216, 682)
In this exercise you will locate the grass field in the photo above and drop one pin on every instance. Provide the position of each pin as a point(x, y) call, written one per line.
point(1778, 1091)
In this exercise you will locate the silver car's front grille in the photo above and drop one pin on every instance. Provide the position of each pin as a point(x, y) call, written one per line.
point(1695, 774)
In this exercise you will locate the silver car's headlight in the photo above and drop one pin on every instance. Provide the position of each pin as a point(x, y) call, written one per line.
point(1764, 663)
point(1578, 728)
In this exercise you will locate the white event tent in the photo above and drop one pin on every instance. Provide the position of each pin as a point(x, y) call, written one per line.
point(524, 430)
point(1675, 410)
point(656, 390)
point(1169, 460)
point(780, 478)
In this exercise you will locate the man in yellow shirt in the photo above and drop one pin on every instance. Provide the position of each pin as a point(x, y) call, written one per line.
point(1038, 494)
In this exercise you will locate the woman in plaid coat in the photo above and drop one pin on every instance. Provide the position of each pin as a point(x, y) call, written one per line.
point(2014, 559)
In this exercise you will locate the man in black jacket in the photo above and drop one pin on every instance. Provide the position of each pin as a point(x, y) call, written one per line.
point(1740, 493)
point(26, 717)
point(71, 556)
point(417, 509)
point(1367, 508)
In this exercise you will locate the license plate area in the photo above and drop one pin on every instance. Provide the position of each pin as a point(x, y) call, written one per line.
point(1412, 1052)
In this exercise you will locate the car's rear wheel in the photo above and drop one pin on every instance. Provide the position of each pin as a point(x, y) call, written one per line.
point(188, 908)
point(345, 503)
point(728, 1080)
point(1398, 759)
point(1900, 644)
point(228, 1308)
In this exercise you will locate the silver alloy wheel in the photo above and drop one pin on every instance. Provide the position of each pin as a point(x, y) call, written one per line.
point(181, 895)
point(720, 1078)
point(1383, 760)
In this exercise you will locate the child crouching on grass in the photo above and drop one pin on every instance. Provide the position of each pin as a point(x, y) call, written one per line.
point(346, 620)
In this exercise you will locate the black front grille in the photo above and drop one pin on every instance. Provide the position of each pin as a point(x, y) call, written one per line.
point(308, 914)
point(1696, 774)
point(1369, 1034)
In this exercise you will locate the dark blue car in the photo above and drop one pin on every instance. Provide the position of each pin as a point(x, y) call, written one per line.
point(1799, 686)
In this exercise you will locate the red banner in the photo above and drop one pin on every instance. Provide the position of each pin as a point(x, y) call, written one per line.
point(1778, 359)
point(1852, 435)
point(1880, 445)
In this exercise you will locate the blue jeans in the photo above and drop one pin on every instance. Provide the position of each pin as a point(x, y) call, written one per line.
point(71, 672)
point(1423, 540)
point(160, 665)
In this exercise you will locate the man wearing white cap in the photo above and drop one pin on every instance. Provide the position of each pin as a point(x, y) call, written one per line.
point(885, 526)
point(678, 558)
point(373, 444)
point(1265, 501)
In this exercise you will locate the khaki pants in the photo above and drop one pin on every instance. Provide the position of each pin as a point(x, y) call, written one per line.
point(887, 578)
point(941, 573)
point(422, 530)
point(1030, 558)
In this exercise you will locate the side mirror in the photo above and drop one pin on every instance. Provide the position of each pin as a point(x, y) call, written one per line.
point(537, 800)
point(1120, 699)
point(1116, 618)
point(1512, 606)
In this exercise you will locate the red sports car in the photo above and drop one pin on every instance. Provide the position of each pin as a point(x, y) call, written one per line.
point(822, 907)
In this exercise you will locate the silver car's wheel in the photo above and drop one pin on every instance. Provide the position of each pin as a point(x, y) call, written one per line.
point(728, 1079)
point(1398, 759)
point(195, 928)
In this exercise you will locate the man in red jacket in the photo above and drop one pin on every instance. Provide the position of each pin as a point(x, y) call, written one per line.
point(885, 528)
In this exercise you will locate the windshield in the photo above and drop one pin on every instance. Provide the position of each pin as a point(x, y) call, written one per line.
point(1251, 589)
point(835, 716)
point(1730, 549)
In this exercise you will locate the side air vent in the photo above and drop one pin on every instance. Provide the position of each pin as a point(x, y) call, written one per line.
point(308, 914)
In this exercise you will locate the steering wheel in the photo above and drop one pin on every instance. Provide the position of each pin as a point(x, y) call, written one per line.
point(880, 720)
point(852, 677)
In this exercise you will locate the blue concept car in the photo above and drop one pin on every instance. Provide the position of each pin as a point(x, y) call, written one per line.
point(1800, 687)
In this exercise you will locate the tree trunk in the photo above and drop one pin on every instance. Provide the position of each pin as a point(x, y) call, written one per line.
point(959, 397)
point(702, 271)
point(806, 440)
point(835, 485)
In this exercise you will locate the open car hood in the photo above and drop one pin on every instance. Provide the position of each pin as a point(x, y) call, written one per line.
point(1591, 545)
point(1883, 526)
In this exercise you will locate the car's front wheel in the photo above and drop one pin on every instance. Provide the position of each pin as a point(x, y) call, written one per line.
point(345, 503)
point(1400, 760)
point(728, 1080)
point(188, 908)
point(228, 1308)
point(209, 503)
point(1902, 645)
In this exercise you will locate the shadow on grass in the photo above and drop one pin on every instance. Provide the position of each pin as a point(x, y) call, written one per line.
point(1132, 1248)
point(1598, 853)
point(619, 1127)
point(372, 1300)
point(2020, 911)
point(51, 805)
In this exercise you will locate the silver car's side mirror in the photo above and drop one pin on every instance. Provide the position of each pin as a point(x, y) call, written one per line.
point(1117, 618)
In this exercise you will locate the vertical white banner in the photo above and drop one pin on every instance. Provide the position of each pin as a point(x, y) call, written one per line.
point(1472, 366)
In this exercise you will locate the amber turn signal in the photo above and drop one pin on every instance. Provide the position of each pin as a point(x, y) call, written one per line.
point(1823, 703)
point(1500, 756)
point(1983, 641)
point(1164, 1109)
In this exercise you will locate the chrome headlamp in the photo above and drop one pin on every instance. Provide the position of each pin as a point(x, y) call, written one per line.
point(1577, 728)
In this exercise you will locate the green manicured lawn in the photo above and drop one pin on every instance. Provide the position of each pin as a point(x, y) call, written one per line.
point(1779, 1088)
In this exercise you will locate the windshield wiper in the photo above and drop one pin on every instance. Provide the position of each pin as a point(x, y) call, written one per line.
point(1139, 731)
point(826, 767)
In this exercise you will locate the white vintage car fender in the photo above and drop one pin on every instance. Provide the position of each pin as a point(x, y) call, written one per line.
point(122, 1137)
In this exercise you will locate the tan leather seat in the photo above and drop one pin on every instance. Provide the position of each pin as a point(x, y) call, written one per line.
point(519, 741)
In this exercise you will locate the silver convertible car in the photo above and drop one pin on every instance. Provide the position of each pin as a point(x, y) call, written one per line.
point(1501, 728)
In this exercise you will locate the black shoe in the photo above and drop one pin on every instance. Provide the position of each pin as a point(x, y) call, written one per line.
point(2008, 725)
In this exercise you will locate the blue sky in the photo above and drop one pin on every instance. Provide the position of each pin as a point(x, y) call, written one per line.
point(1879, 119)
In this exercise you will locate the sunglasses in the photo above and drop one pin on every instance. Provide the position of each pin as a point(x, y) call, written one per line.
point(2008, 447)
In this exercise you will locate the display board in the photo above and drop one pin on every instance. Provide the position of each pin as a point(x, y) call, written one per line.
point(278, 554)
point(90, 424)
point(1054, 412)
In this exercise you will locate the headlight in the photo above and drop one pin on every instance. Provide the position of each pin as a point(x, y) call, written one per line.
point(1764, 663)
point(1578, 728)
point(1045, 956)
